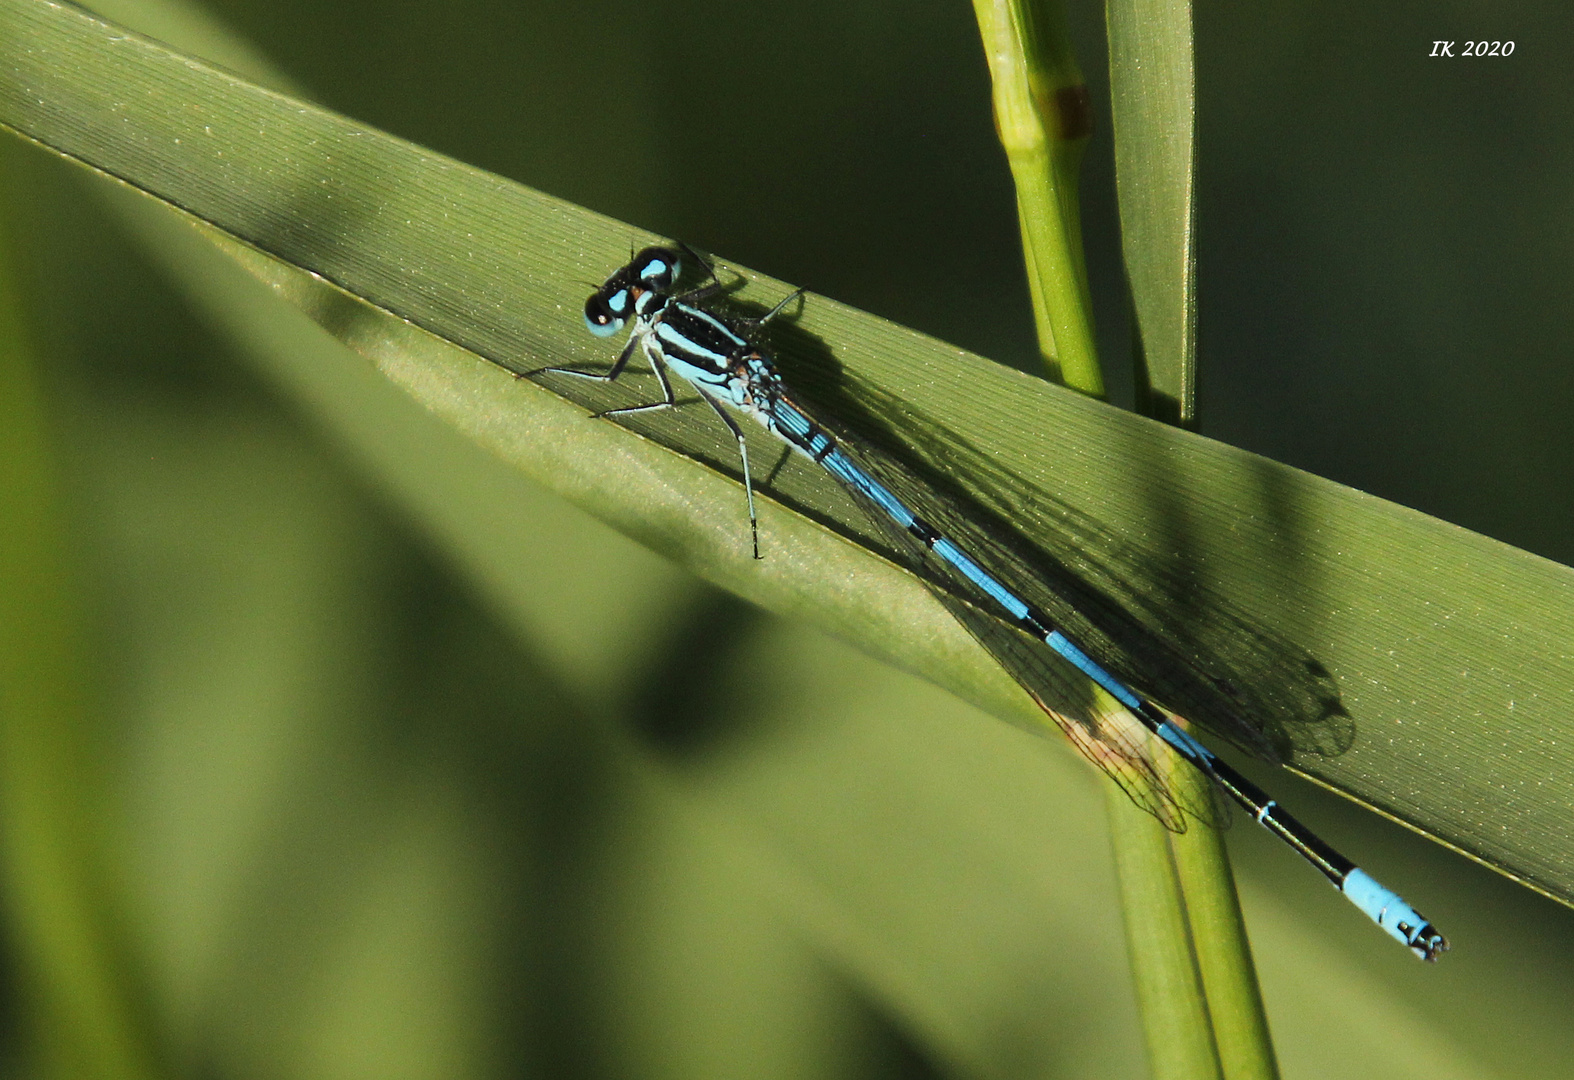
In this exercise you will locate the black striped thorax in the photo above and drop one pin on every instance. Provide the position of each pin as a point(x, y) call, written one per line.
point(706, 349)
point(694, 338)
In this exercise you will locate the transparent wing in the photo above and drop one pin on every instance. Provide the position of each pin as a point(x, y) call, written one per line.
point(1145, 613)
point(1103, 731)
point(1260, 693)
point(1106, 734)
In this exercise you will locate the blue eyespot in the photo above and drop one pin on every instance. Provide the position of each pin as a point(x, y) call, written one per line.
point(657, 268)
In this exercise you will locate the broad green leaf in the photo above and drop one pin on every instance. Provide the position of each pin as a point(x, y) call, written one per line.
point(1448, 649)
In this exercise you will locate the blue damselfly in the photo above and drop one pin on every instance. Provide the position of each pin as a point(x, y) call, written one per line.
point(1034, 622)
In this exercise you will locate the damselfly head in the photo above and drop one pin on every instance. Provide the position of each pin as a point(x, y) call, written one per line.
point(651, 271)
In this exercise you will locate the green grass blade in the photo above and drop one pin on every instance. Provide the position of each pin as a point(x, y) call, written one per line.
point(1154, 102)
point(74, 998)
point(1449, 648)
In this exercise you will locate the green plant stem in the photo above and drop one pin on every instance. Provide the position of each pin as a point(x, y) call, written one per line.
point(1043, 119)
point(1196, 985)
point(74, 1002)
point(1218, 938)
point(1170, 988)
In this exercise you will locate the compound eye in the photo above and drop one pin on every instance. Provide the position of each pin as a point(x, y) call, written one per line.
point(603, 317)
point(657, 268)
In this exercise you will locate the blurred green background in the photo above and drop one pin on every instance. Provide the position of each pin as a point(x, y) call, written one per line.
point(363, 819)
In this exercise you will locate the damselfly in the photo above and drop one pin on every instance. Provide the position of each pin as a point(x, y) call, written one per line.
point(1033, 627)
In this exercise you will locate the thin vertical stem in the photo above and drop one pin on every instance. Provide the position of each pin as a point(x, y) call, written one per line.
point(1044, 120)
point(1170, 990)
point(1218, 937)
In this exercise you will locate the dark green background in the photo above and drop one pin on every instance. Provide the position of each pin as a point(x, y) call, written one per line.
point(346, 791)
